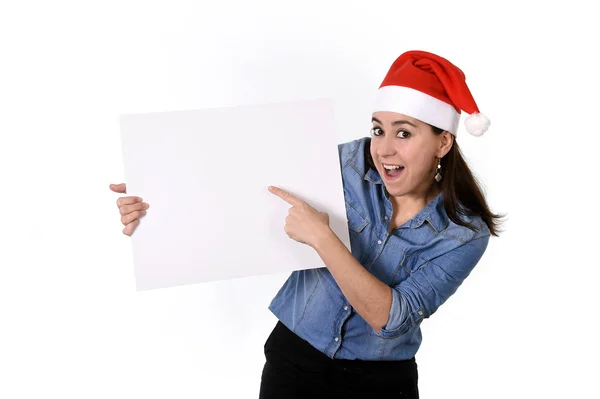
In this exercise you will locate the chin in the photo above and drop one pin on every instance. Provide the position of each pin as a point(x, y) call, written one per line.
point(395, 191)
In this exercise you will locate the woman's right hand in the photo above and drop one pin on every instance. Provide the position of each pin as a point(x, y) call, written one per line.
point(131, 208)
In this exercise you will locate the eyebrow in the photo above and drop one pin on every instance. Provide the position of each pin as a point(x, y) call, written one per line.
point(400, 122)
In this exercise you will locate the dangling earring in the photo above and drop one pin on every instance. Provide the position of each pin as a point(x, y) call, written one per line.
point(438, 176)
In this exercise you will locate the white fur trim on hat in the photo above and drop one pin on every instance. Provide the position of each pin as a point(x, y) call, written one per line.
point(418, 105)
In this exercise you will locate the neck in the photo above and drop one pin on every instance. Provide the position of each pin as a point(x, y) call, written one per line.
point(407, 206)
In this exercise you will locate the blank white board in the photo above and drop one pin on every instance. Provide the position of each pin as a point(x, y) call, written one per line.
point(205, 174)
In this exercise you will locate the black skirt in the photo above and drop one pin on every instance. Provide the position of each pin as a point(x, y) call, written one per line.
point(295, 369)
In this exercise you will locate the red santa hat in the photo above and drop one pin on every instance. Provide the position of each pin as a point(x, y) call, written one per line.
point(431, 89)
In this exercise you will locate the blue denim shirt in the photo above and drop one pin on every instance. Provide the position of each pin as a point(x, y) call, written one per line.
point(424, 261)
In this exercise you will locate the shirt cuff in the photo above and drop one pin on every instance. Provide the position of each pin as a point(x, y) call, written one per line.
point(401, 317)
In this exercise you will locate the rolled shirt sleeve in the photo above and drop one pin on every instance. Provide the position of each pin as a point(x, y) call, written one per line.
point(422, 293)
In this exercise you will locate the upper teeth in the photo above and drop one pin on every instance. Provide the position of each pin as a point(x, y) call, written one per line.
point(390, 167)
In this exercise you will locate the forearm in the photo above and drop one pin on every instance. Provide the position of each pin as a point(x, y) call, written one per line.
point(370, 297)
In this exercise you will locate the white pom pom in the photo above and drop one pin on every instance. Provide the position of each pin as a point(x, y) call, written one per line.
point(477, 124)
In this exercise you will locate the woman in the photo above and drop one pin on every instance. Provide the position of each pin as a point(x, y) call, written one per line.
point(418, 223)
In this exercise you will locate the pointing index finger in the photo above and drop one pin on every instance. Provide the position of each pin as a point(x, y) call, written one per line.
point(284, 195)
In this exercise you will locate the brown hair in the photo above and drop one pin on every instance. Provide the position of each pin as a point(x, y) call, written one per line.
point(461, 191)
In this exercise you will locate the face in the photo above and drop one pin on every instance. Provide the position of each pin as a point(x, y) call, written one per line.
point(406, 153)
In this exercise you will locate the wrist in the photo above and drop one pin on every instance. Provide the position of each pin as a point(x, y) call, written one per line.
point(324, 239)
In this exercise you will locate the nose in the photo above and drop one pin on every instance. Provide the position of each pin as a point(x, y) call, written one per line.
point(386, 147)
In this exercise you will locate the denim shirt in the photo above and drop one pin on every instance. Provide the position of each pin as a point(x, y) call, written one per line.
point(424, 261)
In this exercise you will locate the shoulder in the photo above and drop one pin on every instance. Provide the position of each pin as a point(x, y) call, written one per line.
point(353, 151)
point(465, 234)
point(442, 227)
point(445, 235)
point(464, 244)
point(458, 246)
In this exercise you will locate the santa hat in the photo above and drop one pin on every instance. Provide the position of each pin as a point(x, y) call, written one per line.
point(429, 88)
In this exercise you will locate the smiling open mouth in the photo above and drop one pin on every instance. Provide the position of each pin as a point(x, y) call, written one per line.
point(392, 171)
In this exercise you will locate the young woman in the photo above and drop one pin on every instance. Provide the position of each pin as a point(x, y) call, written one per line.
point(418, 223)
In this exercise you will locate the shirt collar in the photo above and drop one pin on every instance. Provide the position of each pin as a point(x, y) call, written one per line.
point(373, 176)
point(434, 213)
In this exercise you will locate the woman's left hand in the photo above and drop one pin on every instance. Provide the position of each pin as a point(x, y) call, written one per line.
point(304, 223)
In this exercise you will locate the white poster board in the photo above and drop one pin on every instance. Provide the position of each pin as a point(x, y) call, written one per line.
point(205, 175)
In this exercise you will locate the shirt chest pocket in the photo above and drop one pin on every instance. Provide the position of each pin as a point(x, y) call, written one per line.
point(409, 265)
point(356, 221)
point(358, 227)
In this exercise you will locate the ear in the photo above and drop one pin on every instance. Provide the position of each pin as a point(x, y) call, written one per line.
point(446, 141)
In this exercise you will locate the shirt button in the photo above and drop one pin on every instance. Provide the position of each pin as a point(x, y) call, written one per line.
point(345, 307)
point(336, 339)
point(379, 242)
point(420, 312)
point(385, 217)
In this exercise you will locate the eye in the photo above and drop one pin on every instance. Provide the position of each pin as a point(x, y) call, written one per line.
point(403, 134)
point(376, 131)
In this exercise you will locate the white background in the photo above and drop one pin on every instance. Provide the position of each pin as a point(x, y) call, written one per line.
point(524, 324)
